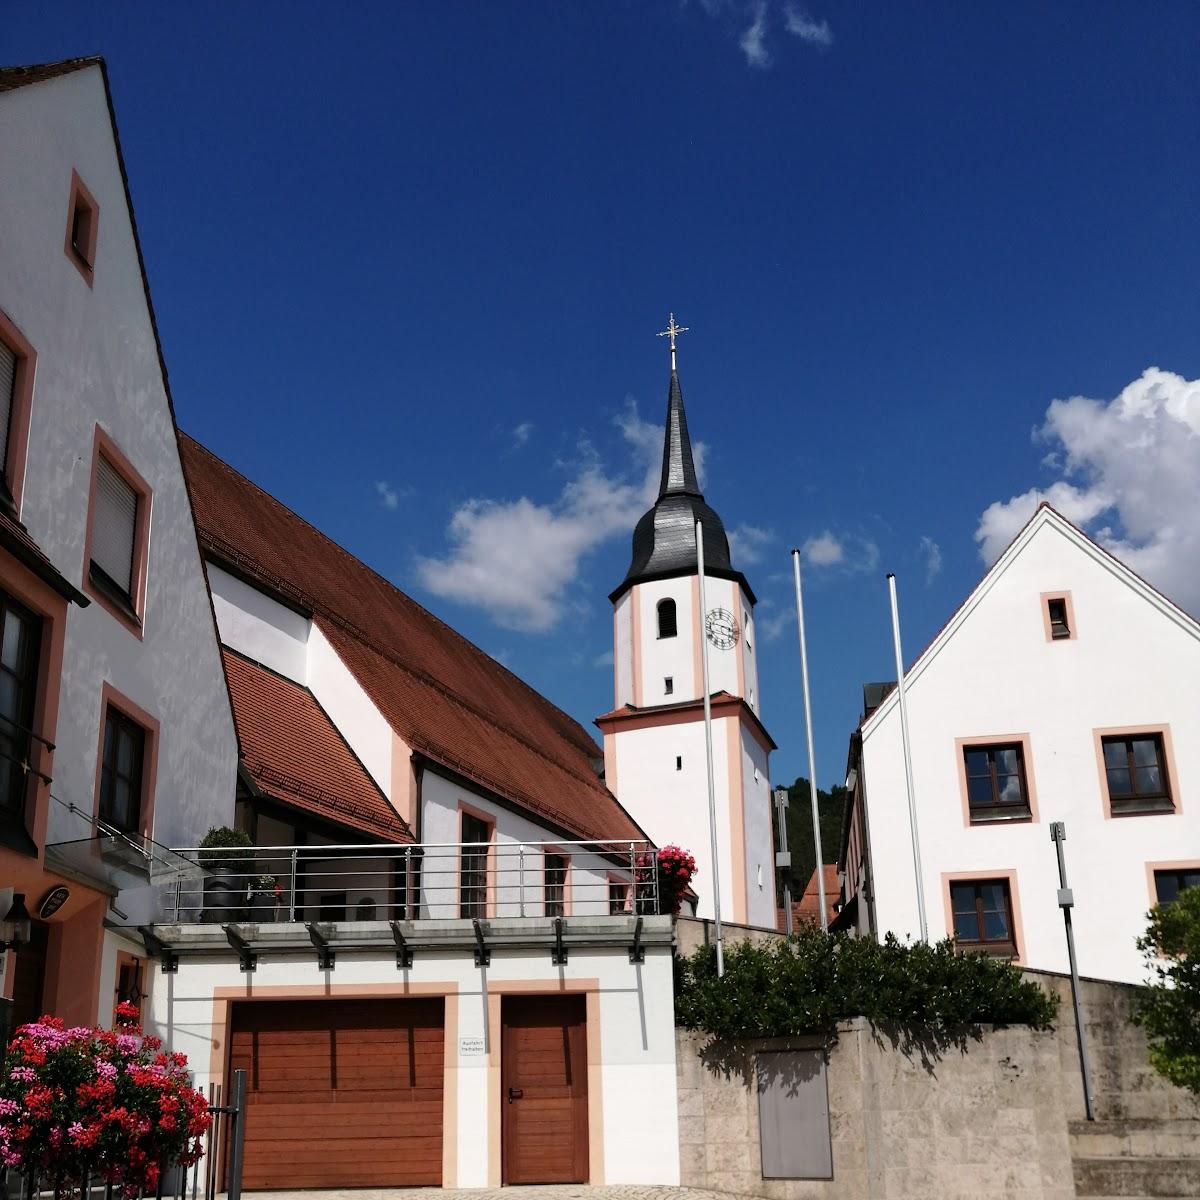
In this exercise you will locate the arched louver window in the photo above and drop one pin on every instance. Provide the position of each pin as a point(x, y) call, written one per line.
point(667, 624)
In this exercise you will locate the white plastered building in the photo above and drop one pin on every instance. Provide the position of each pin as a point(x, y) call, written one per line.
point(113, 692)
point(1065, 688)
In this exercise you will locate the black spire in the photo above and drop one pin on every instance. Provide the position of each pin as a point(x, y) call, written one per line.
point(678, 469)
point(664, 540)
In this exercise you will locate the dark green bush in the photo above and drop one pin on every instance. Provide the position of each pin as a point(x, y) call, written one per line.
point(225, 847)
point(806, 985)
point(1169, 1009)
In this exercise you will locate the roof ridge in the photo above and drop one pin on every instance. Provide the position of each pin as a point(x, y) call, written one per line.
point(585, 738)
point(23, 74)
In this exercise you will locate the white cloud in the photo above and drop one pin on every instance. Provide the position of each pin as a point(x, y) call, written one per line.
point(773, 625)
point(754, 40)
point(603, 660)
point(518, 559)
point(933, 559)
point(748, 544)
point(846, 553)
point(824, 550)
point(520, 434)
point(389, 496)
point(796, 21)
point(1129, 474)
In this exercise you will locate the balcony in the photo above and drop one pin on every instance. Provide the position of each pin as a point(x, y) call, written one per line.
point(473, 896)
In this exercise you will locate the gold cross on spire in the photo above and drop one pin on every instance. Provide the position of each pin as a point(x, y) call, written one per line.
point(672, 331)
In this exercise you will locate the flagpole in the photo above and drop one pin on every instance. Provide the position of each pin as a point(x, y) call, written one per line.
point(712, 795)
point(812, 763)
point(908, 774)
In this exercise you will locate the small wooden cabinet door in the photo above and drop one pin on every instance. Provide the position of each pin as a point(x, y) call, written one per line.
point(544, 1089)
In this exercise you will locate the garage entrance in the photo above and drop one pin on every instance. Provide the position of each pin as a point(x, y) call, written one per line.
point(341, 1093)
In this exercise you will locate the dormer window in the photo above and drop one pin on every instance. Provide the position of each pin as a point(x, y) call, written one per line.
point(668, 626)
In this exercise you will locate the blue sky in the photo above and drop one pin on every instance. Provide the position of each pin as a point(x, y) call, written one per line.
point(409, 261)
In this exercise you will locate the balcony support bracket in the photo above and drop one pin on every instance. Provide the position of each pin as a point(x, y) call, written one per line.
point(247, 959)
point(404, 952)
point(637, 952)
point(157, 947)
point(325, 954)
point(483, 952)
point(558, 952)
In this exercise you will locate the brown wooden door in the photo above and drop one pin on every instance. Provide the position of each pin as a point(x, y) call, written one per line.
point(29, 979)
point(544, 1089)
point(341, 1093)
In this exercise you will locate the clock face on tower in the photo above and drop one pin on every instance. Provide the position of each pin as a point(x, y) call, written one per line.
point(722, 628)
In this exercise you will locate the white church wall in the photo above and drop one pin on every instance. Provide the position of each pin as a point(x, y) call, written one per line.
point(758, 847)
point(673, 657)
point(623, 649)
point(670, 801)
point(724, 666)
point(259, 627)
point(443, 802)
point(1132, 663)
point(749, 653)
point(633, 1122)
point(350, 708)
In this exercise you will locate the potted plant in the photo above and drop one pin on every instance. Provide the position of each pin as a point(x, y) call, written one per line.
point(266, 896)
point(667, 872)
point(225, 855)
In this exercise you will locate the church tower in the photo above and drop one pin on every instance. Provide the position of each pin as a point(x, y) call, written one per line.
point(654, 752)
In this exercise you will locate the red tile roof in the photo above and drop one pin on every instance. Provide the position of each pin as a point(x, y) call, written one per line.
point(444, 696)
point(807, 910)
point(294, 752)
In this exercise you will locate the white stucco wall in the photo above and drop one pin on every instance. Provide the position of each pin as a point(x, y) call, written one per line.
point(350, 708)
point(259, 627)
point(442, 800)
point(759, 846)
point(636, 1037)
point(662, 657)
point(1134, 662)
point(623, 650)
point(672, 804)
point(97, 363)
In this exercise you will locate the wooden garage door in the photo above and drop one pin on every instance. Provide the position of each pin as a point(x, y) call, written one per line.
point(341, 1093)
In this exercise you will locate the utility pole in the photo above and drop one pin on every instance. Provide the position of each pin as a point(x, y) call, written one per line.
point(1066, 901)
point(783, 857)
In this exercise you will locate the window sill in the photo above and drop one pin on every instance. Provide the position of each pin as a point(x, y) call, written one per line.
point(992, 817)
point(991, 949)
point(1153, 808)
point(109, 595)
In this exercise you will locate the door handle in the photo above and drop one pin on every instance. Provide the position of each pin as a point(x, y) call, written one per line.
point(515, 1094)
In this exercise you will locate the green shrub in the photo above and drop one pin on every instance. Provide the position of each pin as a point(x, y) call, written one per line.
point(225, 847)
point(1169, 1009)
point(920, 994)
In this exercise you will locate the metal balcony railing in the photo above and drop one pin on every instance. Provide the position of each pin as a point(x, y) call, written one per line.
point(430, 881)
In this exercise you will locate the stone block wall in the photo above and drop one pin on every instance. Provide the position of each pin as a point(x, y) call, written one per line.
point(990, 1122)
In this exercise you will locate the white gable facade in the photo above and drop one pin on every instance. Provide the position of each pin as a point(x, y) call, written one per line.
point(1122, 678)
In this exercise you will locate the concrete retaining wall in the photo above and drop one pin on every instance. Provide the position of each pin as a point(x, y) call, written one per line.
point(1003, 1119)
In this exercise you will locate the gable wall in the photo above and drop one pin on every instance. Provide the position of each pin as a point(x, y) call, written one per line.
point(1130, 665)
point(98, 364)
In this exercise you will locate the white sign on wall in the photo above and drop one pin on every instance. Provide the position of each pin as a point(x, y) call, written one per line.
point(470, 1047)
